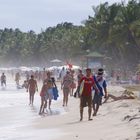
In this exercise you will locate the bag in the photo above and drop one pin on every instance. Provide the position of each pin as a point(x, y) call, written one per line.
point(55, 93)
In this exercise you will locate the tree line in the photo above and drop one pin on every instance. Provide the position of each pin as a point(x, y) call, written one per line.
point(113, 30)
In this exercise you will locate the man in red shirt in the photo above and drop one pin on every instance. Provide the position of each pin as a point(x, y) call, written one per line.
point(86, 95)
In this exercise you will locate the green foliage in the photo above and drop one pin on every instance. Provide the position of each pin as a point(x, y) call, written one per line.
point(114, 31)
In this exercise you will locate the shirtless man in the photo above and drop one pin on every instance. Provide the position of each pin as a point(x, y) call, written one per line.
point(32, 88)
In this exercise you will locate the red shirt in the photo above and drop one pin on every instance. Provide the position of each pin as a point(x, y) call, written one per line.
point(88, 84)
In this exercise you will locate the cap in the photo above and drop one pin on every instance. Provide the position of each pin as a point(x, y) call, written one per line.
point(100, 71)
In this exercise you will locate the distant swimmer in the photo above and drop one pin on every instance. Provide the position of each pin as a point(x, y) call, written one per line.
point(32, 88)
point(3, 80)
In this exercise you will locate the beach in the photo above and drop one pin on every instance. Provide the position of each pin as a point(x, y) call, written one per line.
point(117, 120)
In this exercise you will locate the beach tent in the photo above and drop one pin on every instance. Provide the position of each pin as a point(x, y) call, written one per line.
point(23, 68)
point(52, 68)
point(67, 67)
point(56, 61)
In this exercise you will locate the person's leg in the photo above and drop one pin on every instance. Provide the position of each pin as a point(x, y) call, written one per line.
point(64, 98)
point(30, 98)
point(72, 89)
point(33, 98)
point(41, 106)
point(81, 113)
point(94, 109)
point(99, 102)
point(94, 102)
point(67, 96)
point(89, 113)
point(50, 103)
point(45, 105)
point(89, 101)
point(81, 108)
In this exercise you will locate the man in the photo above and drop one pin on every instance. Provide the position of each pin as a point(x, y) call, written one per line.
point(86, 95)
point(32, 87)
point(102, 86)
point(3, 79)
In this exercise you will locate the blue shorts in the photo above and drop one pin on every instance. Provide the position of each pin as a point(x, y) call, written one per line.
point(97, 99)
point(49, 94)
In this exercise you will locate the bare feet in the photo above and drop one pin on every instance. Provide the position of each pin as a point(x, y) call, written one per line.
point(90, 119)
point(39, 113)
point(81, 119)
point(94, 114)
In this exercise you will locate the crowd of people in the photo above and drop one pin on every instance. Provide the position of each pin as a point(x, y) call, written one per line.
point(88, 87)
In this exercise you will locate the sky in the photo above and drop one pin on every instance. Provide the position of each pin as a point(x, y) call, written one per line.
point(37, 15)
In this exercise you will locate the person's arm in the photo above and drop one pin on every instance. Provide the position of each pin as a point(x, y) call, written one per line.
point(105, 89)
point(28, 85)
point(96, 88)
point(62, 82)
point(81, 81)
point(53, 81)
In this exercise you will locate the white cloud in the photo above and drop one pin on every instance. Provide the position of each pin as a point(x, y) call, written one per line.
point(37, 14)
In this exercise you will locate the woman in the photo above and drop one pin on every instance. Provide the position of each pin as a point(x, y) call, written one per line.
point(66, 86)
point(49, 92)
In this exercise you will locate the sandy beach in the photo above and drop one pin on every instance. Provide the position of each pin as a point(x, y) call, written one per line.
point(117, 120)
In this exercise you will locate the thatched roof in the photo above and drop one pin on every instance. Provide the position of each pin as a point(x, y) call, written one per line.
point(95, 54)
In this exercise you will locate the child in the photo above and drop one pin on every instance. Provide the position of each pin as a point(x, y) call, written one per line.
point(43, 99)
